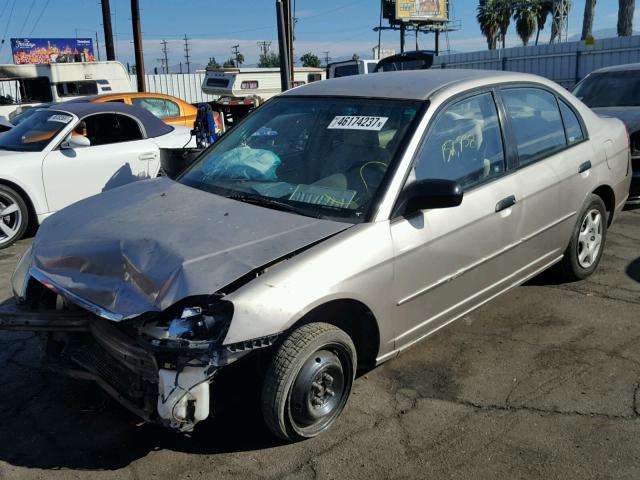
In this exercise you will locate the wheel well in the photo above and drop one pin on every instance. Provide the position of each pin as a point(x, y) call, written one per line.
point(33, 219)
point(605, 192)
point(356, 320)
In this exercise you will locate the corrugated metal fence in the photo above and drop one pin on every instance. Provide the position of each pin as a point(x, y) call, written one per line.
point(187, 86)
point(565, 63)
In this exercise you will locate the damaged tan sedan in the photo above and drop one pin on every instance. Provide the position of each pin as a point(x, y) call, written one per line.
point(337, 225)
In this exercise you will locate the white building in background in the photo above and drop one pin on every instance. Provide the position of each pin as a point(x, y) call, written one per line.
point(383, 53)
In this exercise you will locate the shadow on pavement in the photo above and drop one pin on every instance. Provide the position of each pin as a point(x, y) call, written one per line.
point(633, 270)
point(51, 422)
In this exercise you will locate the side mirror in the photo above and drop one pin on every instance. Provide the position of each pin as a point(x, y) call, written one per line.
point(75, 141)
point(428, 194)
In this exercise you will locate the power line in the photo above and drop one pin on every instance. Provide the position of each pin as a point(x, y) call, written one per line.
point(46, 4)
point(327, 58)
point(186, 53)
point(236, 54)
point(264, 47)
point(24, 24)
point(8, 23)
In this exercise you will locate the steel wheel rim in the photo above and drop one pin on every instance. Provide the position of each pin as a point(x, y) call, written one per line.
point(10, 217)
point(320, 390)
point(590, 238)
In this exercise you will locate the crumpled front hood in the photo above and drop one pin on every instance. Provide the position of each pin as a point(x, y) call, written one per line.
point(142, 247)
point(630, 116)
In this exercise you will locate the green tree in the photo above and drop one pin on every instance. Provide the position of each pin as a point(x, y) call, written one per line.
point(239, 59)
point(269, 60)
point(355, 57)
point(626, 8)
point(310, 60)
point(504, 11)
point(212, 63)
point(489, 25)
point(230, 63)
point(543, 10)
point(525, 17)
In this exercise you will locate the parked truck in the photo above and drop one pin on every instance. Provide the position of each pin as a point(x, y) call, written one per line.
point(26, 86)
point(243, 89)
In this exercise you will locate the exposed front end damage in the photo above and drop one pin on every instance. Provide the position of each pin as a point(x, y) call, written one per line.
point(159, 366)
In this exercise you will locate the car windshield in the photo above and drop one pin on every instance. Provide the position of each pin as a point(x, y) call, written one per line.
point(323, 157)
point(610, 89)
point(35, 133)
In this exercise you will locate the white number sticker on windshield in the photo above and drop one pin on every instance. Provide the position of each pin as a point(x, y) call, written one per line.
point(358, 122)
point(60, 118)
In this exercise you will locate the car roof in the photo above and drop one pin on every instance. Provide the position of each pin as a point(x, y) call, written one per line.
point(93, 98)
point(153, 126)
point(619, 68)
point(408, 85)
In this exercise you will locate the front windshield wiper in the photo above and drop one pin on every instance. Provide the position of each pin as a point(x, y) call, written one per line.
point(275, 204)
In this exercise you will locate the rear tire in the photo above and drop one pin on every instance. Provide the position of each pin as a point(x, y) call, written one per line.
point(14, 216)
point(308, 382)
point(587, 241)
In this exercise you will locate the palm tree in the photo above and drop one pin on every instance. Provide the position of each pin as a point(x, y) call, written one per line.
point(625, 17)
point(504, 10)
point(525, 16)
point(543, 10)
point(488, 20)
point(587, 21)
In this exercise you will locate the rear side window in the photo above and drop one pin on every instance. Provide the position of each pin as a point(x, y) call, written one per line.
point(346, 71)
point(464, 144)
point(75, 89)
point(571, 124)
point(535, 121)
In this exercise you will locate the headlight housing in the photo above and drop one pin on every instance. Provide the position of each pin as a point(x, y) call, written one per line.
point(20, 277)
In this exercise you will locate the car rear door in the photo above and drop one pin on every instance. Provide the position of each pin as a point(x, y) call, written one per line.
point(536, 129)
point(119, 154)
point(448, 261)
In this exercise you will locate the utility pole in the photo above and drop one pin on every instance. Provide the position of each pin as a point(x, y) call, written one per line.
point(108, 33)
point(264, 47)
point(165, 60)
point(560, 26)
point(327, 58)
point(283, 48)
point(97, 46)
point(236, 53)
point(288, 28)
point(186, 53)
point(137, 44)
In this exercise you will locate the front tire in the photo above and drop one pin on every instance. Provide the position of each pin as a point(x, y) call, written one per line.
point(587, 241)
point(309, 381)
point(14, 216)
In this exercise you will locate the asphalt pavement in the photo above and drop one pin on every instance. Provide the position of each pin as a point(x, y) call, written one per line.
point(543, 382)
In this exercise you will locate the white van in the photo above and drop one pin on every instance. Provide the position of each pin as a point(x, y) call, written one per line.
point(26, 86)
point(351, 67)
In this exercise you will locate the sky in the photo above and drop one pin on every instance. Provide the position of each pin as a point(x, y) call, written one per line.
point(340, 27)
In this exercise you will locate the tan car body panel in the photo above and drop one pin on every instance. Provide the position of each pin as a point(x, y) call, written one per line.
point(416, 275)
point(188, 112)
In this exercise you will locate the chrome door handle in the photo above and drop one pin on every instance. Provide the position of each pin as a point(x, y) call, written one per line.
point(584, 166)
point(505, 203)
point(147, 156)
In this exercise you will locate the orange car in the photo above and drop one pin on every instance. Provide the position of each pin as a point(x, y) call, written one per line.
point(169, 109)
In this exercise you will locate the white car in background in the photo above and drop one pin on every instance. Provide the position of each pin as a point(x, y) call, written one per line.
point(65, 153)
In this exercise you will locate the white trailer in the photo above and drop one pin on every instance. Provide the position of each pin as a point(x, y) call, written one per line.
point(243, 89)
point(26, 86)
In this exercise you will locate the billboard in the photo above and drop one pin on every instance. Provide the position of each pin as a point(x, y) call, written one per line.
point(51, 50)
point(422, 10)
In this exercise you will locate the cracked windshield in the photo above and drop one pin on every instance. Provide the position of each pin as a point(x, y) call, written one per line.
point(322, 157)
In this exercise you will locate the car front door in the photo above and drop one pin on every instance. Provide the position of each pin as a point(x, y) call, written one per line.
point(118, 154)
point(448, 261)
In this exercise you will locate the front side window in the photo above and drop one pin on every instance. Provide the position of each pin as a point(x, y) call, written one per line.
point(464, 144)
point(159, 107)
point(107, 128)
point(571, 124)
point(321, 157)
point(33, 136)
point(536, 123)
